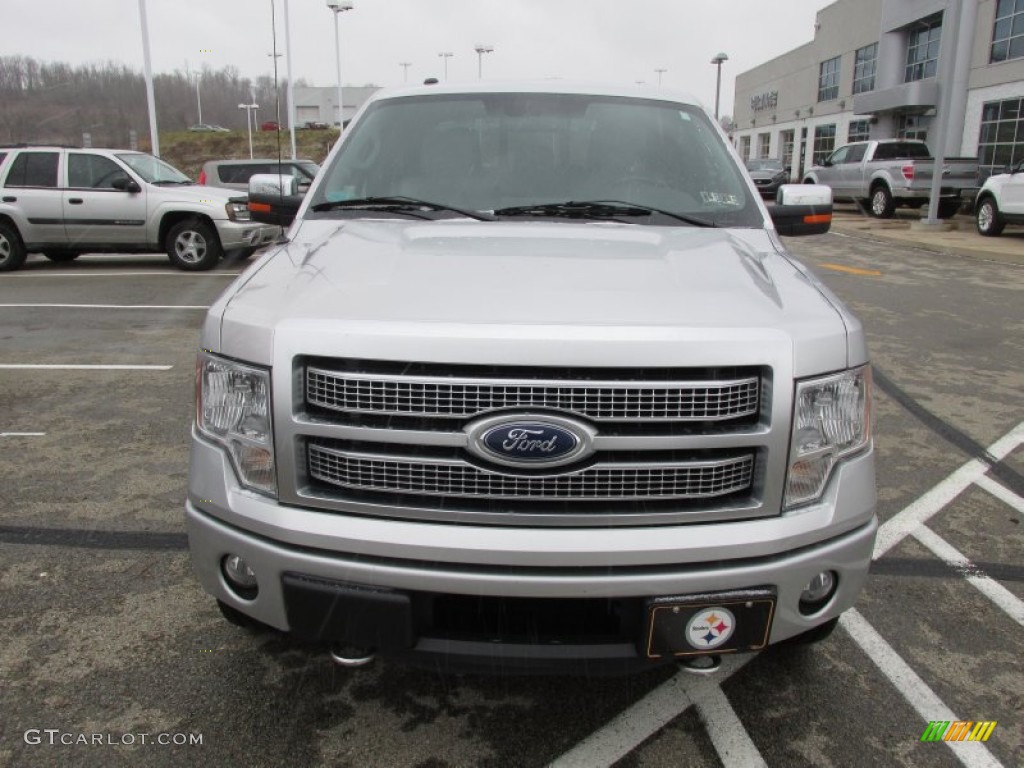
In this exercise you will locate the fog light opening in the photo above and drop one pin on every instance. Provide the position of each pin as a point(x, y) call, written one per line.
point(240, 577)
point(818, 591)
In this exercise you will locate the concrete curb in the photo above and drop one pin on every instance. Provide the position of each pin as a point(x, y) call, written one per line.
point(959, 240)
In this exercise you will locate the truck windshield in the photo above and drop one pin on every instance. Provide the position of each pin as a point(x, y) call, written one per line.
point(499, 151)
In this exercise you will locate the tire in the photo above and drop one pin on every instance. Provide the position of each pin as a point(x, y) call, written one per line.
point(61, 256)
point(816, 635)
point(12, 250)
point(193, 245)
point(948, 208)
point(987, 218)
point(882, 204)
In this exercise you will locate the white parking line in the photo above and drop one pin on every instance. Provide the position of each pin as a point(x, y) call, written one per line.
point(901, 525)
point(646, 717)
point(914, 689)
point(104, 306)
point(732, 742)
point(33, 367)
point(1001, 492)
point(993, 590)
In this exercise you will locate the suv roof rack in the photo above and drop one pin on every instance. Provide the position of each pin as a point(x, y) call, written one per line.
point(24, 145)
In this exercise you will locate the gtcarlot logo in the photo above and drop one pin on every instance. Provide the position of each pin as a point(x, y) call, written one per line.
point(55, 737)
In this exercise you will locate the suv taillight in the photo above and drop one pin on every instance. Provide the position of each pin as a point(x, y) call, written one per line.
point(202, 177)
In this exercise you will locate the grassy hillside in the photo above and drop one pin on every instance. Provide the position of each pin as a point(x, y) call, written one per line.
point(187, 151)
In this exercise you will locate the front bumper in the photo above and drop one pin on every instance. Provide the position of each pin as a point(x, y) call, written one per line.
point(245, 234)
point(300, 555)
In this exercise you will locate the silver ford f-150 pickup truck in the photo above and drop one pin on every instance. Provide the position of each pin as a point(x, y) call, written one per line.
point(533, 383)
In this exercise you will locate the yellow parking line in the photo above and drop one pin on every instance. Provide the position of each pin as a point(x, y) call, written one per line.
point(851, 270)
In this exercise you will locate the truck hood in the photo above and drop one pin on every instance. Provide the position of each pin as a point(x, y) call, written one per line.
point(357, 287)
point(195, 193)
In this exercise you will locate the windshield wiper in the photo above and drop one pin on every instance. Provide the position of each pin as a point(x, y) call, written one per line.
point(400, 204)
point(175, 182)
point(598, 209)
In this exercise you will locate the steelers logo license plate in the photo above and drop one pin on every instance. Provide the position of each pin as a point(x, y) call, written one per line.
point(719, 622)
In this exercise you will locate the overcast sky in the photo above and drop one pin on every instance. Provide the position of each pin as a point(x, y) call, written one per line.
point(623, 41)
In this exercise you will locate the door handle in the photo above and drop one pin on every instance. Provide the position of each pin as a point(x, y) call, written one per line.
point(75, 200)
point(10, 199)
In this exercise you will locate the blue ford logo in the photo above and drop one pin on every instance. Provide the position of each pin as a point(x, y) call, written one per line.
point(535, 442)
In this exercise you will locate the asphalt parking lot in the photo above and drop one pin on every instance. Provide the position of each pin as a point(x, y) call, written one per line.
point(108, 634)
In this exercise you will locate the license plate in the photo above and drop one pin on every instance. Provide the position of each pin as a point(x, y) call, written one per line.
point(712, 623)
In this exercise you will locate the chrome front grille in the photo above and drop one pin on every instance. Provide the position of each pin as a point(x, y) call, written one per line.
point(436, 396)
point(677, 480)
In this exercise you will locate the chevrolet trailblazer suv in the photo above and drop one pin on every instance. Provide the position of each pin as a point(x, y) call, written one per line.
point(534, 383)
point(62, 202)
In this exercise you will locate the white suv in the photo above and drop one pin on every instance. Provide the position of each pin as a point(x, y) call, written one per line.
point(62, 202)
point(1001, 201)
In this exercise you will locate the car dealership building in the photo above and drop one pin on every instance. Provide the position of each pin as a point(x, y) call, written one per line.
point(880, 69)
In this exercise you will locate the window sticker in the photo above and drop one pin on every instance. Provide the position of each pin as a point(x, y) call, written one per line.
point(720, 198)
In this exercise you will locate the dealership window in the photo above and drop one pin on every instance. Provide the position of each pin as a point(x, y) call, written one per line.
point(1008, 32)
point(864, 61)
point(786, 139)
point(923, 49)
point(824, 142)
point(828, 80)
point(858, 130)
point(744, 147)
point(913, 127)
point(764, 143)
point(1001, 142)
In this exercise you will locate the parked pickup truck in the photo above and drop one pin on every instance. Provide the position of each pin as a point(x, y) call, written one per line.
point(881, 175)
point(63, 202)
point(534, 383)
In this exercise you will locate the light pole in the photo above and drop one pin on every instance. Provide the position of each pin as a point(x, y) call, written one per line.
point(660, 71)
point(405, 70)
point(339, 6)
point(249, 119)
point(719, 58)
point(199, 101)
point(446, 55)
point(154, 138)
point(481, 49)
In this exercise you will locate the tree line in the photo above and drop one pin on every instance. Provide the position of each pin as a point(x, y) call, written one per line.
point(54, 102)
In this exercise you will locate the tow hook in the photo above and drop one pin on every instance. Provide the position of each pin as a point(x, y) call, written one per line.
point(350, 656)
point(701, 665)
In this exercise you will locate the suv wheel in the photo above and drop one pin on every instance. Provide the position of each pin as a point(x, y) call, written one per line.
point(882, 204)
point(12, 250)
point(988, 219)
point(193, 245)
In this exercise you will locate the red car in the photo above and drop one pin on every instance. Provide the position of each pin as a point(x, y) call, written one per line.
point(269, 125)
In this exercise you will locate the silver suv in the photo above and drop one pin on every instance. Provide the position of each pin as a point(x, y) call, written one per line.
point(62, 202)
point(534, 382)
point(235, 174)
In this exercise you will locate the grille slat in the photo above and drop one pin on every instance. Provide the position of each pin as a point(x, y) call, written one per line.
point(598, 400)
point(681, 480)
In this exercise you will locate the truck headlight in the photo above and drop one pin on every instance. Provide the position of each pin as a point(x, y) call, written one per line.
point(831, 419)
point(233, 409)
point(238, 211)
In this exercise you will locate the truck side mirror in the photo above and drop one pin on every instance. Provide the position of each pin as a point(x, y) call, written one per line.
point(126, 185)
point(802, 209)
point(274, 198)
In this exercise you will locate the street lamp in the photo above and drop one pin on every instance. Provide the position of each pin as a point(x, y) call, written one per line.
point(339, 6)
point(446, 55)
point(199, 101)
point(660, 72)
point(405, 70)
point(249, 109)
point(481, 49)
point(719, 58)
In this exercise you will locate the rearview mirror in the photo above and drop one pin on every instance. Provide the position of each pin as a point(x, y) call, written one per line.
point(802, 209)
point(274, 198)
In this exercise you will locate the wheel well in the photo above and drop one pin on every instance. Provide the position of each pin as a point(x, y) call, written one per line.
point(172, 218)
point(878, 183)
point(4, 219)
point(986, 196)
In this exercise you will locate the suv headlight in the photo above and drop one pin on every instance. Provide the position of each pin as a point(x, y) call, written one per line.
point(238, 211)
point(233, 409)
point(831, 419)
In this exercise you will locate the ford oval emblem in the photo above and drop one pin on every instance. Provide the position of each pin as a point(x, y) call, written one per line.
point(538, 442)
